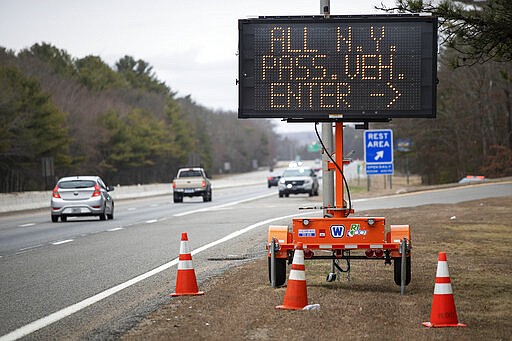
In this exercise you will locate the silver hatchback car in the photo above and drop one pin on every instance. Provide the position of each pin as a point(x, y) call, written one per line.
point(81, 196)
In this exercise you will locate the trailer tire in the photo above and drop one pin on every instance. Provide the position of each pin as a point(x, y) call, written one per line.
point(280, 271)
point(398, 270)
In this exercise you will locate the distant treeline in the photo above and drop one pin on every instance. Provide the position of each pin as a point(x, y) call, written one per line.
point(472, 133)
point(62, 116)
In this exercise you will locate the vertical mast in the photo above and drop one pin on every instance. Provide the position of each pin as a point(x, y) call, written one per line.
point(327, 175)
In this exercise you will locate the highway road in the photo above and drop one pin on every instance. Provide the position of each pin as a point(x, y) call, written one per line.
point(94, 279)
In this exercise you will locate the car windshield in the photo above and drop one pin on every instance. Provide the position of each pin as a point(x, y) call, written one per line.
point(77, 184)
point(296, 172)
point(190, 174)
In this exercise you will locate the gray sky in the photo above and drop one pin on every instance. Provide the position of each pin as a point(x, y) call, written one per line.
point(191, 44)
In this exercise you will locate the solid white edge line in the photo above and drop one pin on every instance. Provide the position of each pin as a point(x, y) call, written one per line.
point(62, 242)
point(58, 315)
point(222, 206)
point(52, 318)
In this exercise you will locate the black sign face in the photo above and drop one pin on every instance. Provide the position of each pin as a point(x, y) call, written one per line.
point(342, 68)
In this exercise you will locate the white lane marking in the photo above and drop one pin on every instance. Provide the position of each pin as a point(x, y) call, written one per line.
point(212, 208)
point(222, 209)
point(30, 248)
point(27, 225)
point(115, 229)
point(62, 242)
point(132, 208)
point(59, 315)
point(151, 221)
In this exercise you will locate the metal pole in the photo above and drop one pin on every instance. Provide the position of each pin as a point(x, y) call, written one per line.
point(325, 8)
point(327, 138)
point(407, 166)
point(273, 263)
point(403, 250)
point(339, 196)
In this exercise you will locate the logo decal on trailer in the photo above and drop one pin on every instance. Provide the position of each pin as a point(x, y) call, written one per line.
point(337, 231)
point(355, 230)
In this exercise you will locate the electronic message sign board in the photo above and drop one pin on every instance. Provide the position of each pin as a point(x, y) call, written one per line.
point(350, 68)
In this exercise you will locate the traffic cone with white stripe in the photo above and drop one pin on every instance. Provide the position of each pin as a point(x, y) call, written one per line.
point(186, 283)
point(296, 295)
point(443, 312)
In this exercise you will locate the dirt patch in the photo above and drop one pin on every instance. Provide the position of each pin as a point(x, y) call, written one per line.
point(476, 236)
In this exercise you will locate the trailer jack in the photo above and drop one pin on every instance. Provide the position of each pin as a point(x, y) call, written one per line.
point(336, 270)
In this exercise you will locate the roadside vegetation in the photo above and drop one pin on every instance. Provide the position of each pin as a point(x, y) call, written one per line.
point(69, 115)
point(240, 304)
point(472, 133)
point(60, 115)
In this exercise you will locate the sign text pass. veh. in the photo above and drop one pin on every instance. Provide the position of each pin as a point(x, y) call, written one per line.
point(349, 67)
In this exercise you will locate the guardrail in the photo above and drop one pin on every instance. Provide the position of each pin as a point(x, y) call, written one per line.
point(12, 202)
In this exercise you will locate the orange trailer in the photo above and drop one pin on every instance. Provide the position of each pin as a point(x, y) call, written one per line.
point(338, 236)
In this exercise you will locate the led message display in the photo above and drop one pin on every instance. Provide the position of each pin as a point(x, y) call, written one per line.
point(350, 68)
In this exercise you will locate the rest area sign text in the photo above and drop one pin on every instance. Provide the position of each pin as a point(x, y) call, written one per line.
point(378, 151)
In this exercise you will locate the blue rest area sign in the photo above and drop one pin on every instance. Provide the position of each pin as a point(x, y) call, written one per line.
point(378, 151)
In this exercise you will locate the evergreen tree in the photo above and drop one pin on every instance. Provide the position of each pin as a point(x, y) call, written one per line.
point(480, 30)
point(96, 75)
point(31, 128)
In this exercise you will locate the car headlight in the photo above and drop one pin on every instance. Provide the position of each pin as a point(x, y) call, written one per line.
point(282, 181)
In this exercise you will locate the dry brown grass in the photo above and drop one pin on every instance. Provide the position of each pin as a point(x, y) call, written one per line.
point(240, 303)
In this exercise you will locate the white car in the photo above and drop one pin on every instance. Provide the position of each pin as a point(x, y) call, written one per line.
point(298, 180)
point(81, 196)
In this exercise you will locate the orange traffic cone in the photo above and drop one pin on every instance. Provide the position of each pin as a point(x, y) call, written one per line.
point(296, 295)
point(186, 283)
point(443, 312)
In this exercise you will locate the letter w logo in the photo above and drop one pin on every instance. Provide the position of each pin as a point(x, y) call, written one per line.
point(337, 231)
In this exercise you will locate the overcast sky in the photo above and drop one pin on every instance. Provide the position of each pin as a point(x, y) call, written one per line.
point(191, 44)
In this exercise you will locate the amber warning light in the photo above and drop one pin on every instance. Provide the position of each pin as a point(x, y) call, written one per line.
point(366, 68)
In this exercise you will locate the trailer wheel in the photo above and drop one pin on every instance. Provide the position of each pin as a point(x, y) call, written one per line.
point(398, 270)
point(280, 271)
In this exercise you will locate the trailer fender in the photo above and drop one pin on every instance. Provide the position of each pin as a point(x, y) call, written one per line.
point(280, 232)
point(396, 234)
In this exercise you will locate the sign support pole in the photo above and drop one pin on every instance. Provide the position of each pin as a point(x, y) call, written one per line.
point(340, 202)
point(327, 138)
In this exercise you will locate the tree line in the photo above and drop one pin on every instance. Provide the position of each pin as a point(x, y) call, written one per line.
point(60, 115)
point(64, 116)
point(472, 133)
